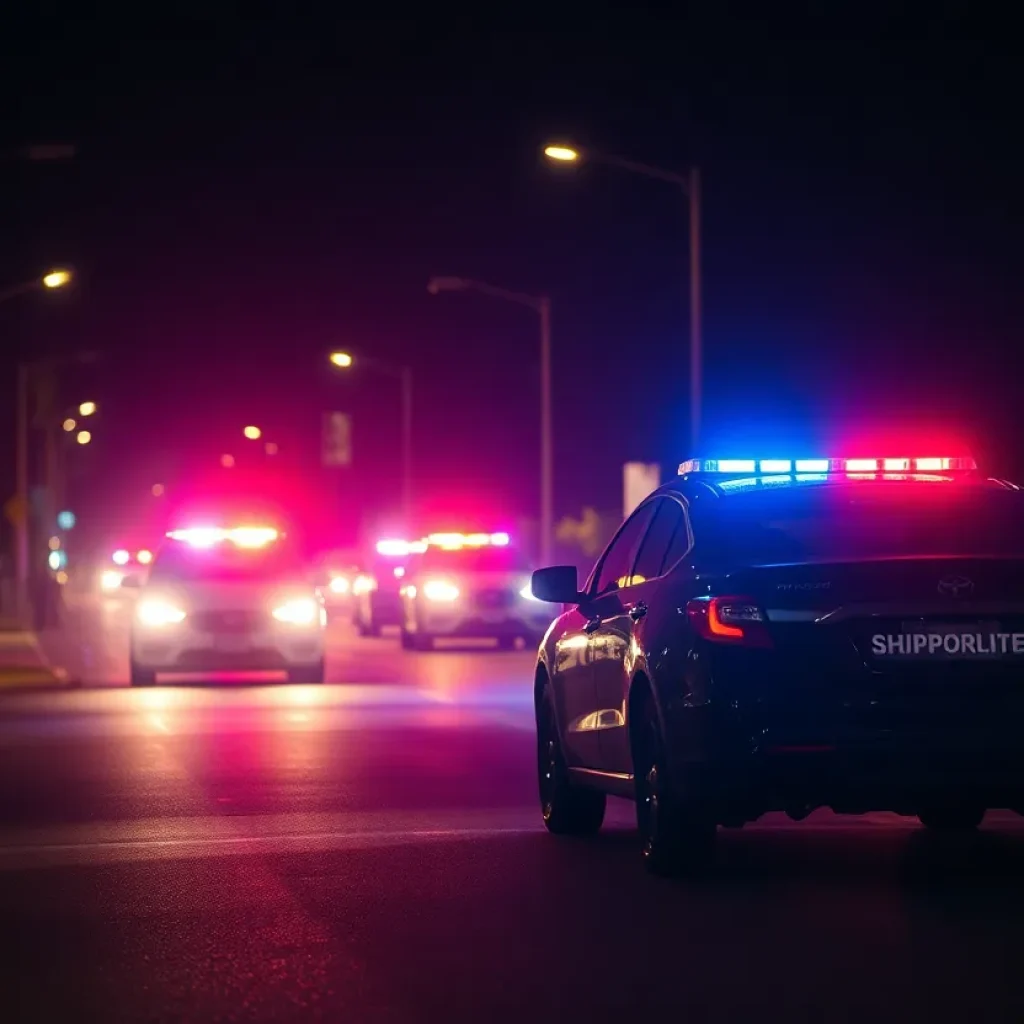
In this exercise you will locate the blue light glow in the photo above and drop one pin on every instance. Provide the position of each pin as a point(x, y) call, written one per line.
point(776, 466)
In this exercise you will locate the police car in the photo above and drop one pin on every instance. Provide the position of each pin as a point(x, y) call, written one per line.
point(469, 586)
point(787, 634)
point(228, 599)
point(125, 564)
point(377, 590)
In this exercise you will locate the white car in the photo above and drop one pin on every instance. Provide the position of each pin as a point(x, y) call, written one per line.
point(469, 586)
point(228, 600)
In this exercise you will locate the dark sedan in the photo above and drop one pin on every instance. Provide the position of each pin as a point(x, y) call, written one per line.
point(756, 638)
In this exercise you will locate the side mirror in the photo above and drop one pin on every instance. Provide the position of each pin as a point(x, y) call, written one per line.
point(130, 582)
point(557, 584)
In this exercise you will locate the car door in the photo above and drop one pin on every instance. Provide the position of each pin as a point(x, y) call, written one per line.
point(604, 610)
point(617, 641)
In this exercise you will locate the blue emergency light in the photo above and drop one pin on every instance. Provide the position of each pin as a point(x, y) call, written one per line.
point(777, 467)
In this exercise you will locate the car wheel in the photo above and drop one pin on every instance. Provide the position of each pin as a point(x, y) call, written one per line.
point(307, 673)
point(952, 818)
point(140, 676)
point(406, 640)
point(567, 810)
point(422, 641)
point(677, 835)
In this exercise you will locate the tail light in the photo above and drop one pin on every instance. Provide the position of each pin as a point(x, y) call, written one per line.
point(730, 620)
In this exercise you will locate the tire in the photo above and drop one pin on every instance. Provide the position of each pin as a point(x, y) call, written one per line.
point(567, 810)
point(140, 676)
point(405, 639)
point(307, 673)
point(422, 641)
point(677, 836)
point(952, 818)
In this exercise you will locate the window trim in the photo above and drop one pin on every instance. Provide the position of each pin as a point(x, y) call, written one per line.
point(683, 505)
point(595, 573)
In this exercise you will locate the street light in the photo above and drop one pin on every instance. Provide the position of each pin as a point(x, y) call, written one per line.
point(347, 361)
point(56, 278)
point(542, 305)
point(253, 433)
point(564, 153)
point(51, 280)
point(691, 187)
point(69, 424)
point(83, 437)
point(87, 409)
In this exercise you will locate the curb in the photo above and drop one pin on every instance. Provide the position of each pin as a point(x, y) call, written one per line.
point(20, 676)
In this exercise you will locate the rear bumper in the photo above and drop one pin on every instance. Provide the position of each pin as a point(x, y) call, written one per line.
point(185, 650)
point(747, 764)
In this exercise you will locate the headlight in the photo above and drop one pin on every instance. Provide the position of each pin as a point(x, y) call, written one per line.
point(300, 611)
point(111, 579)
point(527, 593)
point(339, 585)
point(440, 590)
point(153, 612)
point(364, 584)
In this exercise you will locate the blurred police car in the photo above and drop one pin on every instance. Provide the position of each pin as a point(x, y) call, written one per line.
point(786, 634)
point(125, 564)
point(237, 599)
point(470, 585)
point(377, 589)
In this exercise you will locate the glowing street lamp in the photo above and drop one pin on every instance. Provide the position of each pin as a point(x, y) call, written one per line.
point(566, 154)
point(87, 409)
point(689, 184)
point(69, 424)
point(342, 359)
point(253, 433)
point(83, 437)
point(56, 278)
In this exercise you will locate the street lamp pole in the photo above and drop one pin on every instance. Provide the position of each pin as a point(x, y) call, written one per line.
point(21, 531)
point(52, 280)
point(541, 304)
point(690, 184)
point(345, 361)
point(547, 497)
point(406, 374)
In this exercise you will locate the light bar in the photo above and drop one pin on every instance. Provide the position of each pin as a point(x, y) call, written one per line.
point(746, 467)
point(240, 536)
point(455, 541)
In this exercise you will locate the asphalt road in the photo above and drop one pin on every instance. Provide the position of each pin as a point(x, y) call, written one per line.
point(370, 850)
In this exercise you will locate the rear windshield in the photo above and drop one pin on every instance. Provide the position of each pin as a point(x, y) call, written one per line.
point(483, 559)
point(862, 521)
point(227, 563)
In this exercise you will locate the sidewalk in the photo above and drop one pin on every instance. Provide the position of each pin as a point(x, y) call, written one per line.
point(22, 660)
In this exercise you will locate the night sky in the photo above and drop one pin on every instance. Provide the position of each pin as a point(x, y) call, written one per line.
point(241, 205)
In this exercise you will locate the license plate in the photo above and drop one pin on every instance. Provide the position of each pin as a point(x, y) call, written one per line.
point(232, 644)
point(921, 641)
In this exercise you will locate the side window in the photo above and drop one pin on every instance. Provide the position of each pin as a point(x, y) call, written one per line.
point(618, 559)
point(669, 523)
point(679, 544)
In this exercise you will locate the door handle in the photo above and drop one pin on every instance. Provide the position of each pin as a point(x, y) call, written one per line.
point(638, 611)
point(592, 626)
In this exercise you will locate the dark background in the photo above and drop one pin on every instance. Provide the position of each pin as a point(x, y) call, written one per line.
point(246, 198)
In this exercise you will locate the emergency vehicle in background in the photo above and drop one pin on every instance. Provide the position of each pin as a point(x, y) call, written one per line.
point(124, 564)
point(468, 586)
point(377, 589)
point(235, 599)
